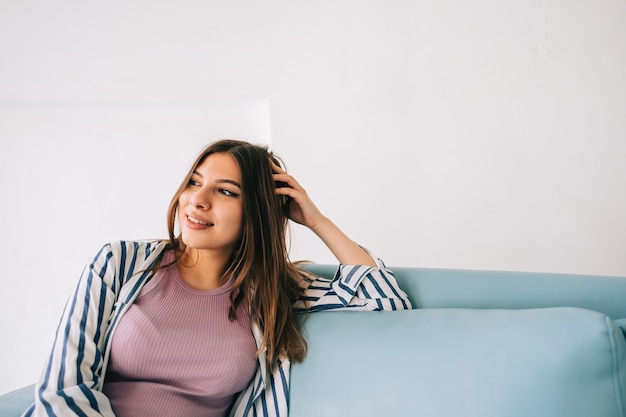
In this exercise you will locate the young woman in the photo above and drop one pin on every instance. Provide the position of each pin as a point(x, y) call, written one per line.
point(205, 323)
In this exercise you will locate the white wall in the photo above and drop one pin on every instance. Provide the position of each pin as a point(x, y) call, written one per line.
point(484, 134)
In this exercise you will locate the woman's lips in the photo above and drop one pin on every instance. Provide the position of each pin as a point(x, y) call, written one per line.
point(197, 223)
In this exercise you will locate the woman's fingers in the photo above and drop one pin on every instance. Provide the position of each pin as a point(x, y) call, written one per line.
point(281, 178)
point(286, 180)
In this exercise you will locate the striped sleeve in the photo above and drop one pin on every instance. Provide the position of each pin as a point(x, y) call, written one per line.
point(354, 287)
point(71, 382)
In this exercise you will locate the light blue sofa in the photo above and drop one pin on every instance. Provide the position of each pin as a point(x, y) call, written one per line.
point(479, 344)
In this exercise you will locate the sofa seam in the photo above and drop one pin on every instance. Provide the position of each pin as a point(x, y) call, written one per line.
point(614, 366)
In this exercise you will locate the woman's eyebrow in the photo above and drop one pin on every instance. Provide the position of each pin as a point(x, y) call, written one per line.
point(235, 183)
point(225, 180)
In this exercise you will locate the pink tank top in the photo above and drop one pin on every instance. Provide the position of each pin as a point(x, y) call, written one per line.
point(176, 353)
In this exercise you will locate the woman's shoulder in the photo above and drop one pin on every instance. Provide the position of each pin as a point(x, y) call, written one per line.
point(145, 249)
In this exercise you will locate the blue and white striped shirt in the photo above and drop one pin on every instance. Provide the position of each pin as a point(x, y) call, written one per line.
point(72, 381)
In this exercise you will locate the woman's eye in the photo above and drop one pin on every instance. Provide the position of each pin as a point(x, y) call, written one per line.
point(193, 182)
point(227, 192)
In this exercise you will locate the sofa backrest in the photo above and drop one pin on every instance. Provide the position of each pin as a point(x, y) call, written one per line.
point(450, 288)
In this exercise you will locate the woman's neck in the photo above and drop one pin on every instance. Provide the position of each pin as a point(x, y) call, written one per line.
point(203, 271)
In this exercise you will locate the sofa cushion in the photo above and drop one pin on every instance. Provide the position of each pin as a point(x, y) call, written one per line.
point(461, 362)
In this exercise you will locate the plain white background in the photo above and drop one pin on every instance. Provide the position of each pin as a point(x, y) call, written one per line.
point(454, 134)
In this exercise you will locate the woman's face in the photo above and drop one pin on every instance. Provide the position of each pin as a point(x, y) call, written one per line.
point(210, 209)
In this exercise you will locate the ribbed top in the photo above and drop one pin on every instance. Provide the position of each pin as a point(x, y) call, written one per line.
point(176, 353)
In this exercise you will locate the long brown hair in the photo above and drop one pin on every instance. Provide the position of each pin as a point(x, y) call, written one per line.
point(264, 276)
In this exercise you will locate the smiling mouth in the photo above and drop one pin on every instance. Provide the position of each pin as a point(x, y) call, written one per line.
point(198, 221)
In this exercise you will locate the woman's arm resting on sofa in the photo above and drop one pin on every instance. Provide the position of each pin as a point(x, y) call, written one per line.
point(354, 287)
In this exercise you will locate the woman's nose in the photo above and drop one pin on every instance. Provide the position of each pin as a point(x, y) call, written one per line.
point(200, 201)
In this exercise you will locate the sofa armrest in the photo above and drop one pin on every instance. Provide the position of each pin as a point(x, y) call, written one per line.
point(15, 403)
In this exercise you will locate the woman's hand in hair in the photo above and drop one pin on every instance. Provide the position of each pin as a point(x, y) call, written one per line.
point(302, 210)
point(300, 207)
